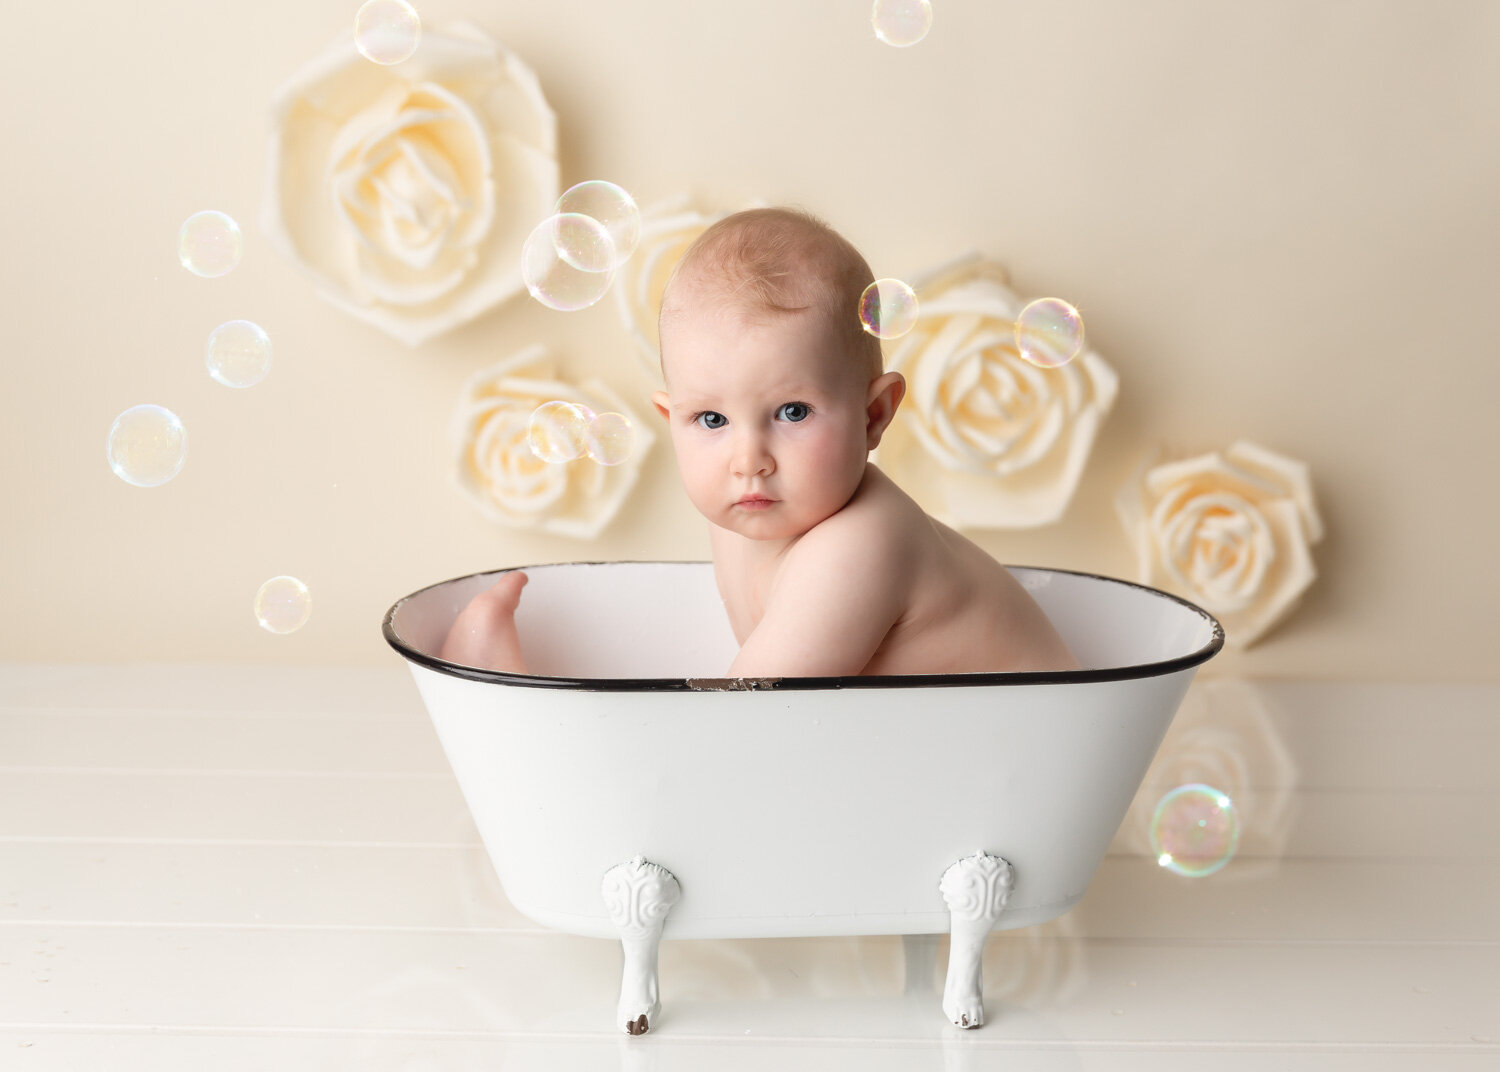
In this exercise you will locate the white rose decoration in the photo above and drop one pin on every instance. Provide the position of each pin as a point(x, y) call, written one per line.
point(1229, 531)
point(495, 463)
point(667, 230)
point(984, 438)
point(408, 191)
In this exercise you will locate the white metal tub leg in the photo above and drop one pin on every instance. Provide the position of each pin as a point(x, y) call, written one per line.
point(638, 896)
point(975, 889)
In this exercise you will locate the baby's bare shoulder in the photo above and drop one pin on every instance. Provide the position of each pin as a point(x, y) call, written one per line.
point(877, 538)
point(879, 511)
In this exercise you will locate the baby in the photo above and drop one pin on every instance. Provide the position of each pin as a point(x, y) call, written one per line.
point(774, 398)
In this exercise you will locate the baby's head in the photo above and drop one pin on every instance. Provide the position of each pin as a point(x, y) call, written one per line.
point(774, 388)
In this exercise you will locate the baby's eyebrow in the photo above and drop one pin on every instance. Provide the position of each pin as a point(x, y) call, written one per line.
point(783, 394)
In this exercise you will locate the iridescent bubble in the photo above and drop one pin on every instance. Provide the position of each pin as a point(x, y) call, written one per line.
point(239, 353)
point(1194, 830)
point(568, 261)
point(901, 22)
point(559, 430)
point(1049, 333)
point(610, 439)
point(147, 445)
point(282, 605)
point(387, 31)
point(209, 244)
point(888, 308)
point(611, 206)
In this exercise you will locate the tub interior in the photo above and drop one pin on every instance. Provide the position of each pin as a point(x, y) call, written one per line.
point(666, 620)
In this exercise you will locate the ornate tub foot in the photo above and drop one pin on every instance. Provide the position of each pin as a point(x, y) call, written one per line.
point(638, 896)
point(975, 889)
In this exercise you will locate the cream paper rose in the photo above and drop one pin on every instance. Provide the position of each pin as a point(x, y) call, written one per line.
point(985, 439)
point(495, 463)
point(1228, 531)
point(408, 191)
point(667, 230)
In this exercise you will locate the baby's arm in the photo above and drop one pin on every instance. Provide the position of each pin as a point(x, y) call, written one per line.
point(836, 598)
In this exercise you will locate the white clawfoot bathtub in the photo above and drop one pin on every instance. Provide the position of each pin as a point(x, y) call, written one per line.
point(625, 790)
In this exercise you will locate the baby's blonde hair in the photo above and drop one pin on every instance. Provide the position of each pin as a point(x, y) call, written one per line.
point(783, 260)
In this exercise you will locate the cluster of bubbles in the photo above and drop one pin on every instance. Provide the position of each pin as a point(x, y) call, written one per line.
point(561, 431)
point(901, 23)
point(1049, 333)
point(568, 263)
point(570, 258)
point(1194, 830)
point(387, 31)
point(147, 444)
point(888, 308)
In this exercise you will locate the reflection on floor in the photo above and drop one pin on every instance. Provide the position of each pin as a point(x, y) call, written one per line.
point(233, 868)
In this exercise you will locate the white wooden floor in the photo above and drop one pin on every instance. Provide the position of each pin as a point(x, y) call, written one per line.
point(255, 868)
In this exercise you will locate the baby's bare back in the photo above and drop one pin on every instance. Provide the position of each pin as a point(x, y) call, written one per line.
point(960, 611)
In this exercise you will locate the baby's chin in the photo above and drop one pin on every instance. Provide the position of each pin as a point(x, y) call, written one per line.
point(763, 524)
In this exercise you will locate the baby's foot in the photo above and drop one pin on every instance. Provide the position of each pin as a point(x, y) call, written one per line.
point(484, 633)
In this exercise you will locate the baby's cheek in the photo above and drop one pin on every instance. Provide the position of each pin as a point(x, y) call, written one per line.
point(828, 450)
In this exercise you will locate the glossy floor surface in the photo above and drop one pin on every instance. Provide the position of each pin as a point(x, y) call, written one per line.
point(249, 868)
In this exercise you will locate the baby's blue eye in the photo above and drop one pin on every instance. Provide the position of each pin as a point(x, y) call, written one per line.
point(713, 421)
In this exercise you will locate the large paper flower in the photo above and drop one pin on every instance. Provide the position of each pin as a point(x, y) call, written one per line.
point(1229, 531)
point(984, 438)
point(666, 232)
point(495, 463)
point(408, 191)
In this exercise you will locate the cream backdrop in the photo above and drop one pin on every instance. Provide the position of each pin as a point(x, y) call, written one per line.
point(1280, 219)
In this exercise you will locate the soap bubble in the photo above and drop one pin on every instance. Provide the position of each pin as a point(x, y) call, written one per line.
point(611, 206)
point(1194, 830)
point(1049, 333)
point(562, 431)
point(209, 244)
point(147, 445)
point(901, 22)
point(568, 261)
point(239, 353)
point(610, 438)
point(282, 605)
point(387, 31)
point(559, 430)
point(888, 308)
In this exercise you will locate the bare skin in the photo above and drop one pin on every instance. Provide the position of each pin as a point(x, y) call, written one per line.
point(959, 611)
point(484, 633)
point(839, 572)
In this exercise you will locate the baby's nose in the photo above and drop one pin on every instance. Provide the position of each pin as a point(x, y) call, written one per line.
point(751, 456)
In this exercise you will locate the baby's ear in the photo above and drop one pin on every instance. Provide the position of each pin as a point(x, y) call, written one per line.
point(883, 400)
point(660, 400)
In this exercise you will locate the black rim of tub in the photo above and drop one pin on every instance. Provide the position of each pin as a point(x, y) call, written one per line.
point(849, 681)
